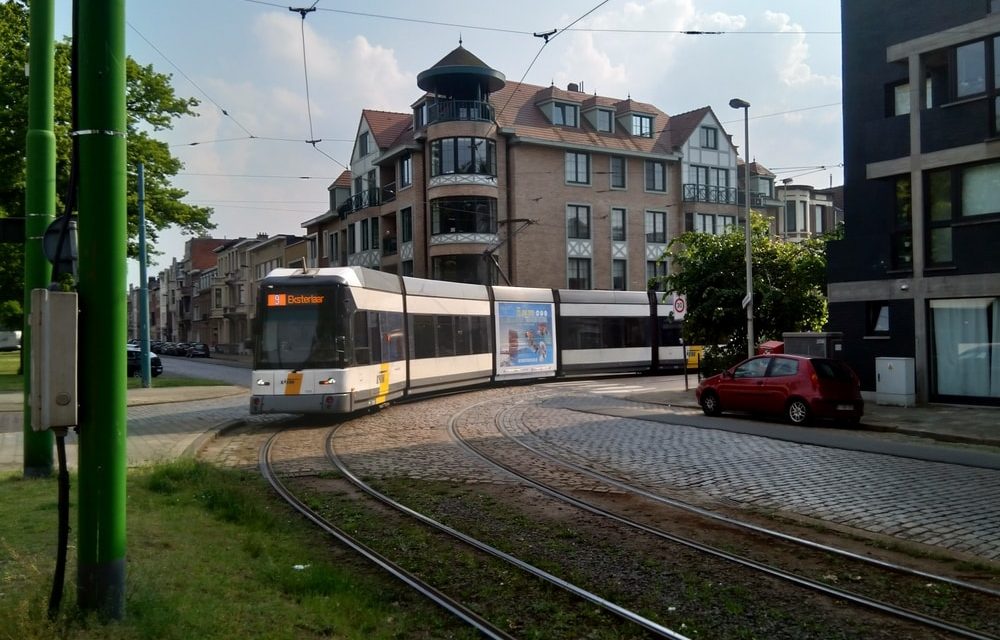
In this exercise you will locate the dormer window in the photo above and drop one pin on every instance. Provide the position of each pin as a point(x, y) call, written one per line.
point(605, 120)
point(565, 114)
point(642, 126)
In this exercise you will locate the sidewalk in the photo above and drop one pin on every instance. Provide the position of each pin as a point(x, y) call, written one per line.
point(163, 423)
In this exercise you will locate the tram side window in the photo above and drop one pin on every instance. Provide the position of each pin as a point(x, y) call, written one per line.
point(480, 330)
point(636, 332)
point(362, 351)
point(445, 335)
point(422, 337)
point(374, 338)
point(392, 330)
point(605, 333)
point(670, 333)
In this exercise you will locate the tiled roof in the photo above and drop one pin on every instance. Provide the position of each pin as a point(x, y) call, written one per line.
point(683, 125)
point(386, 125)
point(343, 180)
point(516, 109)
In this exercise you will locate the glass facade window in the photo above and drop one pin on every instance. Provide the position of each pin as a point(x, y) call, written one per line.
point(617, 172)
point(578, 222)
point(406, 225)
point(463, 215)
point(939, 213)
point(619, 275)
point(564, 114)
point(902, 228)
point(604, 120)
point(656, 175)
point(577, 168)
point(470, 268)
point(578, 273)
point(463, 156)
point(618, 225)
point(965, 335)
point(709, 138)
point(970, 69)
point(656, 227)
point(642, 126)
point(655, 270)
point(405, 171)
point(980, 186)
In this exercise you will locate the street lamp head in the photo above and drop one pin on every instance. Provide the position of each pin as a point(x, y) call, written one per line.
point(736, 103)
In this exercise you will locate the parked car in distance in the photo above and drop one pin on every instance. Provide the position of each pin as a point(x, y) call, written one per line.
point(133, 366)
point(10, 340)
point(799, 388)
point(198, 350)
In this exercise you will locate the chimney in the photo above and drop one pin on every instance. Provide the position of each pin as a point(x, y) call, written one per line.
point(262, 236)
point(572, 86)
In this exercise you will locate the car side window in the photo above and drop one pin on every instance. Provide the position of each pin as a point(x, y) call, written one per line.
point(752, 368)
point(783, 367)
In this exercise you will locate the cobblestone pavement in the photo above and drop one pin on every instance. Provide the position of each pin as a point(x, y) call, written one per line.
point(950, 506)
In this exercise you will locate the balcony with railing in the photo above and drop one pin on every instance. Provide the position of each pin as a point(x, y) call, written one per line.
point(367, 198)
point(451, 110)
point(709, 193)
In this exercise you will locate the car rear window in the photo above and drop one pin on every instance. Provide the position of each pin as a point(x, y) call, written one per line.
point(832, 370)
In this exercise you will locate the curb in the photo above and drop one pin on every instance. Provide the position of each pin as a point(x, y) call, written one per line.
point(202, 441)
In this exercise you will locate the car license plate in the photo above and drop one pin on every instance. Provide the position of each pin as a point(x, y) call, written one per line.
point(845, 407)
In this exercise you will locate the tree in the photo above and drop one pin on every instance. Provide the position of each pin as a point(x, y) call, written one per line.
point(789, 281)
point(151, 106)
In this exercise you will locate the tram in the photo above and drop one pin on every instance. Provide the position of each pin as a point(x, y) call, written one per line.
point(344, 339)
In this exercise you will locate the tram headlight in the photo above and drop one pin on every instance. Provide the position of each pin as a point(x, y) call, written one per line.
point(328, 381)
point(261, 382)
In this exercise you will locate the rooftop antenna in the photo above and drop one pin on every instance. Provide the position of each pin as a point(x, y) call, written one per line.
point(460, 38)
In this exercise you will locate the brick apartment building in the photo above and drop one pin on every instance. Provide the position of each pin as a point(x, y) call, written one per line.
point(496, 182)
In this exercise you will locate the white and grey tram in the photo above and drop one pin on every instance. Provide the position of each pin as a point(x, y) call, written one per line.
point(342, 339)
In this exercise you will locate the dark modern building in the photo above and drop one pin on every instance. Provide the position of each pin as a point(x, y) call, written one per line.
point(918, 273)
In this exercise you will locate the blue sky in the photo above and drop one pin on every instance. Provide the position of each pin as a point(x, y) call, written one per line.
point(246, 57)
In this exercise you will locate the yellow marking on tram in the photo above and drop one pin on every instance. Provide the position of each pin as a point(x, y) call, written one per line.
point(383, 383)
point(293, 383)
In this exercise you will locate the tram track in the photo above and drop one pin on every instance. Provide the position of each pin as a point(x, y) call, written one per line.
point(559, 468)
point(453, 606)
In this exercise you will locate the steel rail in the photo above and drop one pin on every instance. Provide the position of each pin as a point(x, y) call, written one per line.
point(679, 504)
point(593, 598)
point(484, 627)
point(819, 587)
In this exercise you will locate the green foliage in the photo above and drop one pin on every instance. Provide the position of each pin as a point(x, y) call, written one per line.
point(11, 315)
point(151, 106)
point(789, 281)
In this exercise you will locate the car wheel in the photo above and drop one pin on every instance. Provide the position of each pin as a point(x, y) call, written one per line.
point(797, 412)
point(710, 404)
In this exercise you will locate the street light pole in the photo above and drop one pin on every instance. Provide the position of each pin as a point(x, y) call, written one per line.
point(737, 103)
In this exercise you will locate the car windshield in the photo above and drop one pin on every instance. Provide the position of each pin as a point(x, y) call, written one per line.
point(832, 370)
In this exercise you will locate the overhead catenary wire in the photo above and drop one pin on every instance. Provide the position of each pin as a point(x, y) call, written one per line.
point(194, 84)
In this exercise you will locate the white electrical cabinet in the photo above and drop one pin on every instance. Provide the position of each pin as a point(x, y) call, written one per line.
point(53, 359)
point(894, 382)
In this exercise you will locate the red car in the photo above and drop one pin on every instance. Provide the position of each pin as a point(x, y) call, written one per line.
point(797, 387)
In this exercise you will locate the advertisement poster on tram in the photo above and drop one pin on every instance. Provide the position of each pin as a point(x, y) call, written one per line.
point(525, 338)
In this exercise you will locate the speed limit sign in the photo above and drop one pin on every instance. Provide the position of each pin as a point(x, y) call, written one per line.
point(679, 305)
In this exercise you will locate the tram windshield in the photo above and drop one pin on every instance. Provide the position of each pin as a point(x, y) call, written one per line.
point(301, 327)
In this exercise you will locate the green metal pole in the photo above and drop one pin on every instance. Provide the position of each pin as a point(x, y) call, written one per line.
point(100, 35)
point(40, 206)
